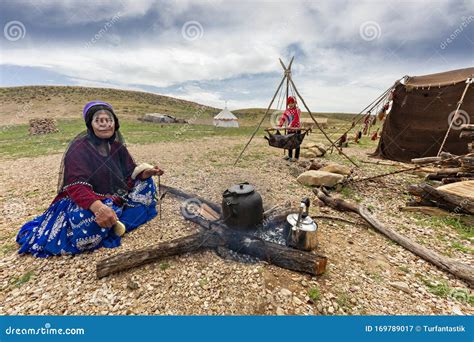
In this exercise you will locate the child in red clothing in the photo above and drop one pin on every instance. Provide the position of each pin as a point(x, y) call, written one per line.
point(291, 117)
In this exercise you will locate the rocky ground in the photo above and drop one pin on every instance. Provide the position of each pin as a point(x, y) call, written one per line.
point(366, 273)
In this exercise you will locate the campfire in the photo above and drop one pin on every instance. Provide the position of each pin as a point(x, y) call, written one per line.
point(239, 228)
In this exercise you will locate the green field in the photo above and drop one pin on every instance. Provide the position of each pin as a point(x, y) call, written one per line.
point(15, 142)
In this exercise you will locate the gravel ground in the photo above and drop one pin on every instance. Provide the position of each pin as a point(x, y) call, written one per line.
point(366, 273)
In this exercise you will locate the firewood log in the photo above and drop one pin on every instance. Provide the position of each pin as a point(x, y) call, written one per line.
point(463, 271)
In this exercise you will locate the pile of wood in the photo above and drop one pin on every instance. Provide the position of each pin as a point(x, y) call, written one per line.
point(456, 197)
point(467, 131)
point(42, 126)
point(449, 168)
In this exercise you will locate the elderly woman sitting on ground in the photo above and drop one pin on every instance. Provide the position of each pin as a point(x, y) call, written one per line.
point(101, 193)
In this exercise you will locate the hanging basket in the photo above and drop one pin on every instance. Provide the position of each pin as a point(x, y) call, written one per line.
point(288, 141)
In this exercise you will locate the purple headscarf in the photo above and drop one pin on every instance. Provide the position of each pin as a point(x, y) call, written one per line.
point(95, 103)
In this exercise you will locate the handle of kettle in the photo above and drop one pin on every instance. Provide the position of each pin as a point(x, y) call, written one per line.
point(306, 202)
point(232, 206)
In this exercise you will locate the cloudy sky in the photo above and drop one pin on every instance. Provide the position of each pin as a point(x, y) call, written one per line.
point(209, 51)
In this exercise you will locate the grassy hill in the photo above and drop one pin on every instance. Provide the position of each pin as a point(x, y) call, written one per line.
point(19, 104)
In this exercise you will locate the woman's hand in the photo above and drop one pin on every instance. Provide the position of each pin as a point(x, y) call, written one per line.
point(152, 172)
point(104, 215)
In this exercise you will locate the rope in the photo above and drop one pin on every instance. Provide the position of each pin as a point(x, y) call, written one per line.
point(404, 170)
point(370, 106)
point(468, 81)
point(367, 109)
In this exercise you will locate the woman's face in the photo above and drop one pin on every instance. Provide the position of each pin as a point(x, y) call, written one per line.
point(103, 124)
point(291, 105)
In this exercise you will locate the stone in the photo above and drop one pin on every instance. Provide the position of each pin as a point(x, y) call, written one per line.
point(297, 301)
point(309, 145)
point(132, 285)
point(400, 285)
point(330, 310)
point(285, 292)
point(337, 168)
point(317, 151)
point(456, 310)
point(308, 154)
point(316, 165)
point(319, 178)
point(280, 311)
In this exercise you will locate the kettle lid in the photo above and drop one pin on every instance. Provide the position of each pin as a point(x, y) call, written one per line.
point(306, 223)
point(241, 189)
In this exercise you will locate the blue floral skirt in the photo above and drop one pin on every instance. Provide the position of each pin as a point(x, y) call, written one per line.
point(65, 228)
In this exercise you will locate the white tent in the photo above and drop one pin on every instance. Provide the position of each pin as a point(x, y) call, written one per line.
point(226, 119)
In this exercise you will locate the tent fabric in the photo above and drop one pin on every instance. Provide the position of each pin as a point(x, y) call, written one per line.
point(226, 119)
point(225, 114)
point(440, 79)
point(418, 120)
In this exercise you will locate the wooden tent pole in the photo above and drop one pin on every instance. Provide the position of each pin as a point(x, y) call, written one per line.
point(287, 72)
point(317, 124)
point(286, 104)
point(261, 121)
point(468, 81)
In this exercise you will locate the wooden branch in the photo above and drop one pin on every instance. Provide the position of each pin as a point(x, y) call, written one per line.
point(449, 180)
point(452, 266)
point(447, 155)
point(380, 162)
point(282, 256)
point(334, 218)
point(208, 213)
point(443, 173)
point(467, 134)
point(127, 260)
point(426, 160)
point(335, 203)
point(428, 210)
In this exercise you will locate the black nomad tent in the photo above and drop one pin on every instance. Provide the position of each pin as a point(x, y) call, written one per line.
point(422, 110)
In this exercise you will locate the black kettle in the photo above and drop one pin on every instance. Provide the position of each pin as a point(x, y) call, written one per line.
point(242, 207)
